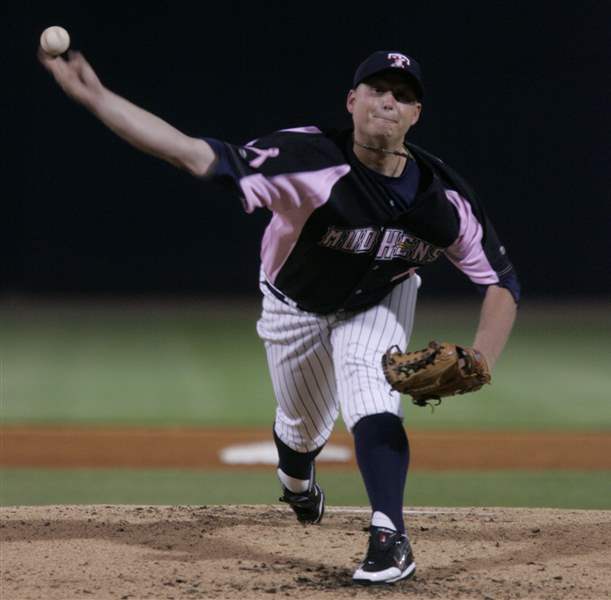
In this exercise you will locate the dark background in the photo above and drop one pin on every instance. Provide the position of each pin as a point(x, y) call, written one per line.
point(517, 100)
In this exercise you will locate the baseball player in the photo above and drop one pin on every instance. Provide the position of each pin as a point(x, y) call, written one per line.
point(354, 215)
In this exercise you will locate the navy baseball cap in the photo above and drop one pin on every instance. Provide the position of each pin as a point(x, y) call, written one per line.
point(386, 60)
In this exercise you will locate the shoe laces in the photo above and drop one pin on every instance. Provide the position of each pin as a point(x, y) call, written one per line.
point(382, 548)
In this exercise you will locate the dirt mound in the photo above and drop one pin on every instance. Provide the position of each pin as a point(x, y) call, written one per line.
point(128, 552)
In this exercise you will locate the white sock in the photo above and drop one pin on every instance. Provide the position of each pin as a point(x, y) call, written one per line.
point(379, 519)
point(297, 486)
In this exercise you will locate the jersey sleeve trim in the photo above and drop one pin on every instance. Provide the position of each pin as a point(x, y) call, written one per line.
point(306, 129)
point(510, 282)
point(222, 167)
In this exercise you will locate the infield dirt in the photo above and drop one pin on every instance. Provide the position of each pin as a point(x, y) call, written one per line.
point(182, 447)
point(253, 552)
point(129, 552)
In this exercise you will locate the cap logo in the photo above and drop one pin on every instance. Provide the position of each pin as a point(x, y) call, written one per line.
point(398, 60)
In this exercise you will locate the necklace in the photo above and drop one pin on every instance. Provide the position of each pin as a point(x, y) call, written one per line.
point(405, 154)
point(397, 167)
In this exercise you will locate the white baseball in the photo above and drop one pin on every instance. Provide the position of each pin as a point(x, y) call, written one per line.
point(55, 40)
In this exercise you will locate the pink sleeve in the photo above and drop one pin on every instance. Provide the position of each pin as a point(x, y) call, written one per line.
point(467, 251)
point(281, 193)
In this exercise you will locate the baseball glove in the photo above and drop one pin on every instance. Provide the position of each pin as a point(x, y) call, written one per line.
point(440, 369)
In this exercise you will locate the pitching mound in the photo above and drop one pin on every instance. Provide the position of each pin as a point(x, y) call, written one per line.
point(251, 552)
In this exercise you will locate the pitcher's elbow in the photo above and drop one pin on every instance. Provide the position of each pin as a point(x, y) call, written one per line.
point(199, 158)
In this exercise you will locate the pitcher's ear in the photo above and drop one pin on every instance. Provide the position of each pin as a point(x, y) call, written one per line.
point(350, 101)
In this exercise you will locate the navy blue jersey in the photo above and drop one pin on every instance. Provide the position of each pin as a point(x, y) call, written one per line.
point(341, 236)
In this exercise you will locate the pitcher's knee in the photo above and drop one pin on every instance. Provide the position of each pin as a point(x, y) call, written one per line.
point(299, 436)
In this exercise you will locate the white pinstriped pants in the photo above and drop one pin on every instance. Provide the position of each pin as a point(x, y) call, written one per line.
point(321, 364)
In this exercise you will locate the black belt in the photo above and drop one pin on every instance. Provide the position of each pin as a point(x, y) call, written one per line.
point(288, 301)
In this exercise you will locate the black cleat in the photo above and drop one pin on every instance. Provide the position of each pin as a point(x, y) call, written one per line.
point(389, 558)
point(308, 506)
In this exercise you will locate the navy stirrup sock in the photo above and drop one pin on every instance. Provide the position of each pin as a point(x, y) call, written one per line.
point(382, 453)
point(297, 465)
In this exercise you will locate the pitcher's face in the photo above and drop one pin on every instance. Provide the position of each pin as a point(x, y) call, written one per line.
point(384, 107)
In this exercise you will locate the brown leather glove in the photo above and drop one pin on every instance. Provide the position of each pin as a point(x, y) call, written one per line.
point(441, 369)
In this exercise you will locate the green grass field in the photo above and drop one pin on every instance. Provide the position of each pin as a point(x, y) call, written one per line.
point(554, 489)
point(204, 366)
